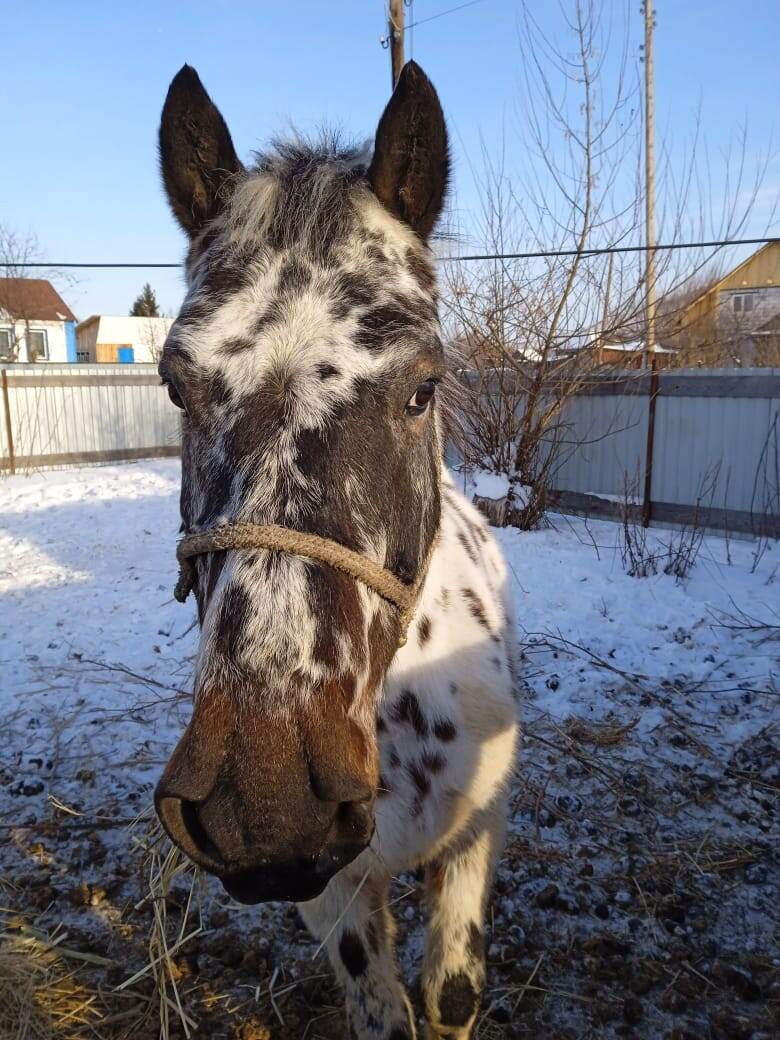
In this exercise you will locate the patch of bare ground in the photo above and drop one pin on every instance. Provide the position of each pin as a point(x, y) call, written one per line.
point(637, 897)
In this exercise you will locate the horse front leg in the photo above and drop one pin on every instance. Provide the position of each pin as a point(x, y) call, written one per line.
point(353, 920)
point(458, 884)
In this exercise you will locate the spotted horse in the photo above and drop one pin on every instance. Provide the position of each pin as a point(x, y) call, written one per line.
point(323, 758)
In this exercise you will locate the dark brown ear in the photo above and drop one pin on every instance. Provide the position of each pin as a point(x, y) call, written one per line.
point(197, 157)
point(411, 163)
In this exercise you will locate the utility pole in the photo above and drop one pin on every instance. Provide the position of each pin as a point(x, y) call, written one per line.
point(395, 34)
point(649, 184)
point(647, 498)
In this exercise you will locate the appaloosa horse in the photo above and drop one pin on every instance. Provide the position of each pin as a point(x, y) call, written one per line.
point(322, 757)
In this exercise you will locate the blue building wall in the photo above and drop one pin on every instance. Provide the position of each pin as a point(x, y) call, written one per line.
point(70, 340)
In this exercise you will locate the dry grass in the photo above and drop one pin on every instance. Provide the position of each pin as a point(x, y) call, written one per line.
point(601, 734)
point(41, 995)
point(165, 864)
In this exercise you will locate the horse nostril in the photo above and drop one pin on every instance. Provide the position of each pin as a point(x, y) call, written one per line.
point(333, 858)
point(354, 821)
point(182, 823)
point(196, 830)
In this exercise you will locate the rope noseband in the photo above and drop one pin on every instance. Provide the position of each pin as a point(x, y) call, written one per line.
point(300, 543)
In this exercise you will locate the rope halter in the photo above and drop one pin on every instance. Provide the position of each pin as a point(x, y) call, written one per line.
point(237, 535)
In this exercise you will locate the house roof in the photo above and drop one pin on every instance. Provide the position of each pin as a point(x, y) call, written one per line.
point(33, 298)
point(767, 247)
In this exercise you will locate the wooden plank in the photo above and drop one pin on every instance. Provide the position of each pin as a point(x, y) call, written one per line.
point(84, 457)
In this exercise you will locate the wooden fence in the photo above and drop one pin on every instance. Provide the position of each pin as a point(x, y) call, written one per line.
point(705, 439)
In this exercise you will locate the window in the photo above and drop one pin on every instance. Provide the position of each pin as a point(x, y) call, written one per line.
point(6, 345)
point(37, 345)
point(742, 303)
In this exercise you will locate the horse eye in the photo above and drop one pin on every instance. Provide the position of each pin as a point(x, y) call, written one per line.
point(173, 393)
point(423, 396)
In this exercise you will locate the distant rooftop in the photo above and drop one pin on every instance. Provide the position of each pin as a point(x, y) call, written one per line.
point(33, 298)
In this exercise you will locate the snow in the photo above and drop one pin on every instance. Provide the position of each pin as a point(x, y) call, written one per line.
point(96, 658)
point(490, 485)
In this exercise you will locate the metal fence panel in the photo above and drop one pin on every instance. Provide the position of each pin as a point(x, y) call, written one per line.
point(603, 444)
point(62, 415)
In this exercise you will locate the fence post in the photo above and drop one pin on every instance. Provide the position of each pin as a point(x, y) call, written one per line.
point(647, 499)
point(8, 431)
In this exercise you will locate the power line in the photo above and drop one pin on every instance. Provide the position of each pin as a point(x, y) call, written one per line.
point(615, 249)
point(384, 40)
point(718, 244)
point(441, 14)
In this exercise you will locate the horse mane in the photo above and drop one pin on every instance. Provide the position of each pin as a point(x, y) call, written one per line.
point(299, 193)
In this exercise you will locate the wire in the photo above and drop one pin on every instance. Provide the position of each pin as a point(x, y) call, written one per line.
point(441, 14)
point(473, 256)
point(384, 40)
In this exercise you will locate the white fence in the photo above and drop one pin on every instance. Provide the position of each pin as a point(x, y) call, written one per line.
point(66, 415)
point(714, 447)
point(715, 444)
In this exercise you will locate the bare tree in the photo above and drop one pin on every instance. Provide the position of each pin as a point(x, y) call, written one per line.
point(17, 292)
point(535, 329)
point(155, 334)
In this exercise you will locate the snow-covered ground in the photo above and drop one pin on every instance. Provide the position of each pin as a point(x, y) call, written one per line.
point(639, 892)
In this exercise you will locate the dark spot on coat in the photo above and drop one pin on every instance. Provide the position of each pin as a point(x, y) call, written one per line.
point(496, 663)
point(453, 689)
point(350, 291)
point(407, 709)
point(395, 761)
point(470, 551)
point(353, 954)
point(237, 345)
point(458, 1000)
point(234, 613)
point(421, 270)
point(444, 730)
point(293, 276)
point(325, 371)
point(383, 790)
point(424, 630)
point(419, 778)
point(381, 725)
point(378, 327)
point(476, 944)
point(434, 761)
point(272, 315)
point(476, 607)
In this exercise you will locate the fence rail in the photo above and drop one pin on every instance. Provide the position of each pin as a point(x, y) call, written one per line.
point(714, 444)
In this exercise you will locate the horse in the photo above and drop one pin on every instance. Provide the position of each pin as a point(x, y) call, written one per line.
point(335, 738)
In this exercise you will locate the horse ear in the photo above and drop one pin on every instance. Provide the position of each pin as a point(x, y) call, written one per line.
point(411, 163)
point(197, 157)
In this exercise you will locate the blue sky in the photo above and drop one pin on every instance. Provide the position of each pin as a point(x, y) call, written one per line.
point(83, 84)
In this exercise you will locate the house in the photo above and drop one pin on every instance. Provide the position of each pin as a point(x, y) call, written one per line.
point(35, 322)
point(121, 338)
point(737, 320)
point(628, 355)
point(633, 355)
